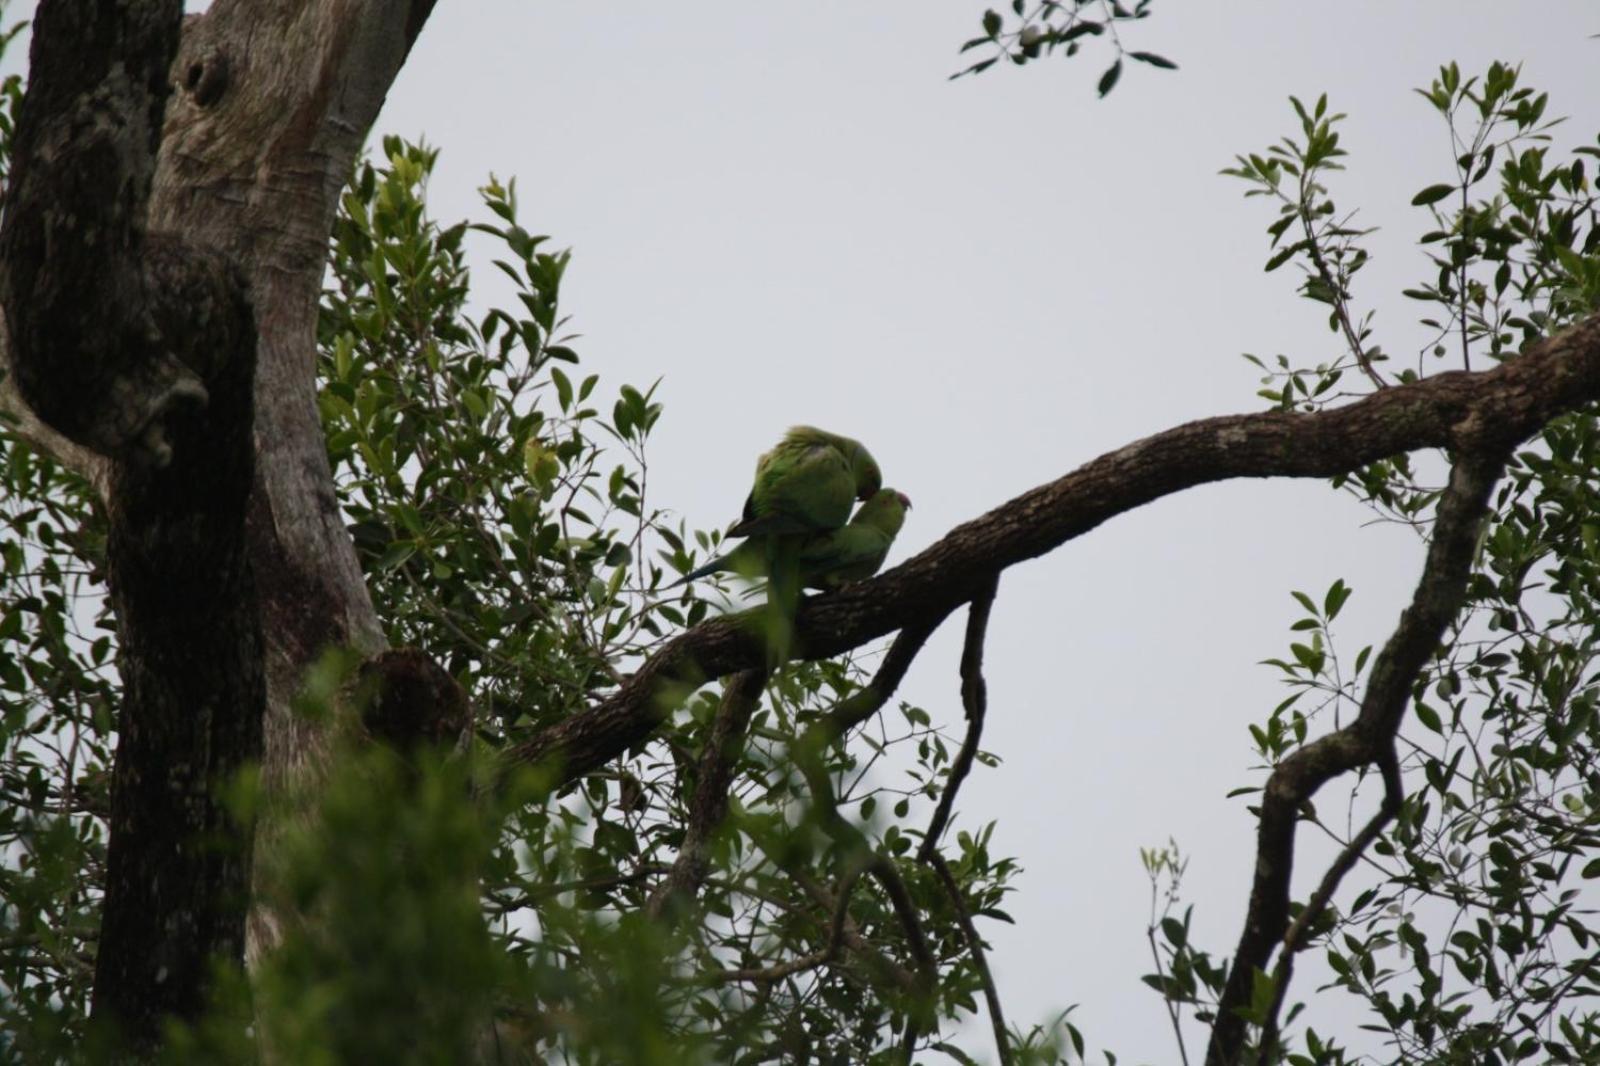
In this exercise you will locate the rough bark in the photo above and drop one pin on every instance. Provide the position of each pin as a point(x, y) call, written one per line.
point(139, 346)
point(91, 360)
point(194, 693)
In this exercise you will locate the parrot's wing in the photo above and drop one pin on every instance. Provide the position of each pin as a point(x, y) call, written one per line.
point(799, 487)
point(853, 553)
point(767, 525)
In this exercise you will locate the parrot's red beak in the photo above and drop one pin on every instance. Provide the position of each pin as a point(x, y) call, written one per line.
point(905, 501)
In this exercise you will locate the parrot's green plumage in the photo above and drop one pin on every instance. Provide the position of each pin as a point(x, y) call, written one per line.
point(806, 483)
point(802, 487)
point(853, 552)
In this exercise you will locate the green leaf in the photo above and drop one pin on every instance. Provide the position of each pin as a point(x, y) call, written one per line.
point(1281, 258)
point(1108, 80)
point(1334, 601)
point(1154, 60)
point(563, 388)
point(1432, 195)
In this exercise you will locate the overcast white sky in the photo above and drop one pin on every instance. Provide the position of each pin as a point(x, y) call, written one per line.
point(789, 214)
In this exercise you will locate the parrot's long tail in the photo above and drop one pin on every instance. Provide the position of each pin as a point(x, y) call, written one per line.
point(783, 597)
point(719, 563)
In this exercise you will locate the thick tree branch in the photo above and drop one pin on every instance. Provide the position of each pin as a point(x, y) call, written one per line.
point(1369, 739)
point(276, 98)
point(1464, 411)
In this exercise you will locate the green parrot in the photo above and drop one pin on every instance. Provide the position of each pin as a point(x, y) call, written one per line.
point(803, 486)
point(806, 483)
point(853, 552)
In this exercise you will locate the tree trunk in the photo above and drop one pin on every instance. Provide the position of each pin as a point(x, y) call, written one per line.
point(276, 98)
point(160, 266)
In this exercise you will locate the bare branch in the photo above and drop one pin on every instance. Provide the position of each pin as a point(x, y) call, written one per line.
point(974, 701)
point(724, 742)
point(1368, 739)
point(1317, 905)
point(866, 702)
point(997, 1018)
point(18, 418)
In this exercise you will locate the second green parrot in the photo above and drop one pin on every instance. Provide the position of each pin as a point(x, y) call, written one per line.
point(853, 552)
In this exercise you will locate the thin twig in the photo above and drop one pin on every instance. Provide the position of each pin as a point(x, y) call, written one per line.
point(810, 961)
point(997, 1021)
point(1161, 971)
point(974, 701)
point(881, 964)
point(807, 751)
point(505, 902)
point(1317, 905)
point(865, 702)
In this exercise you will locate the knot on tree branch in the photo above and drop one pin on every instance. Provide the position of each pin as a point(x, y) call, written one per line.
point(207, 78)
point(410, 701)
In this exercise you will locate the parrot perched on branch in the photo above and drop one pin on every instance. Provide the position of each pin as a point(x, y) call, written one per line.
point(803, 486)
point(853, 552)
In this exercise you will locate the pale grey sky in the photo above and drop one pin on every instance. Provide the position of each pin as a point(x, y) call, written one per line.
point(788, 212)
point(791, 215)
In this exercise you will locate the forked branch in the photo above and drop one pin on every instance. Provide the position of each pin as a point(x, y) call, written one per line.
point(1368, 740)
